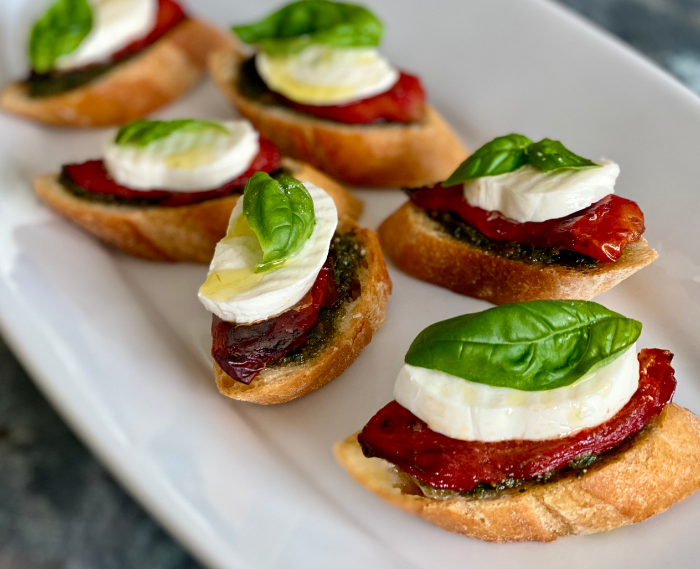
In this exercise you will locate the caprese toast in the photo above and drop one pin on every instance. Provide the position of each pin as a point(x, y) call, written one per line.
point(520, 221)
point(530, 421)
point(295, 292)
point(108, 62)
point(319, 89)
point(165, 190)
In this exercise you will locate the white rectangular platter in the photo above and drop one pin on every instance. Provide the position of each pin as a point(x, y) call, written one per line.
point(120, 345)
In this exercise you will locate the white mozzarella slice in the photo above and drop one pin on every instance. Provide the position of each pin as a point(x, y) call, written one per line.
point(322, 75)
point(527, 194)
point(185, 161)
point(115, 24)
point(472, 411)
point(236, 293)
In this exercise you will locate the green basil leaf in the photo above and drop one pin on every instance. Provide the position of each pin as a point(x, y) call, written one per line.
point(307, 22)
point(531, 346)
point(59, 31)
point(549, 155)
point(281, 214)
point(500, 156)
point(142, 133)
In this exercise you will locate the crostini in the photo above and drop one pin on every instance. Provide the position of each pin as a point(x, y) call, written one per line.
point(296, 293)
point(320, 90)
point(520, 221)
point(529, 422)
point(165, 190)
point(108, 62)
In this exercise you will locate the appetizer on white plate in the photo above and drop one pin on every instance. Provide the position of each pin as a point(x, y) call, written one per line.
point(520, 220)
point(318, 88)
point(528, 422)
point(296, 293)
point(108, 62)
point(165, 189)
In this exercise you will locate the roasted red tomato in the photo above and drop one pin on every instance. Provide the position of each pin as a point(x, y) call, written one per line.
point(396, 435)
point(602, 230)
point(93, 177)
point(244, 351)
point(403, 103)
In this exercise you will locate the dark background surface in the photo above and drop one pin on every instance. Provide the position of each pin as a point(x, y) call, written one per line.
point(59, 508)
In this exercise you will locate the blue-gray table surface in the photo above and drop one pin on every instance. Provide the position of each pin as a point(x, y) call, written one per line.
point(59, 508)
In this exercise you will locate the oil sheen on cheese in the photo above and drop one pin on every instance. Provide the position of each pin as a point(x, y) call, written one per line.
point(527, 194)
point(321, 75)
point(185, 161)
point(236, 293)
point(471, 411)
point(115, 24)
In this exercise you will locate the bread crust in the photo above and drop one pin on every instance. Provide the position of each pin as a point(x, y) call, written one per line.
point(420, 247)
point(389, 155)
point(654, 471)
point(184, 233)
point(360, 320)
point(133, 89)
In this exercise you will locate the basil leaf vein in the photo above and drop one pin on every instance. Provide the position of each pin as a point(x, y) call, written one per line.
point(281, 214)
point(141, 133)
point(530, 346)
point(500, 156)
point(307, 22)
point(59, 31)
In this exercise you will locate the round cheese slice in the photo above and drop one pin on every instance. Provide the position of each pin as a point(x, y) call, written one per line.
point(321, 75)
point(471, 411)
point(236, 293)
point(115, 24)
point(185, 161)
point(527, 194)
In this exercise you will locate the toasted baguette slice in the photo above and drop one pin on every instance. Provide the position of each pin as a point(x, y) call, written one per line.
point(360, 319)
point(133, 89)
point(648, 474)
point(183, 233)
point(388, 155)
point(420, 246)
